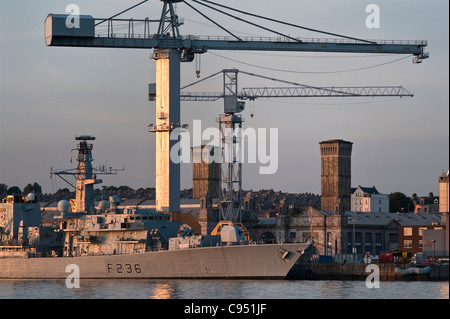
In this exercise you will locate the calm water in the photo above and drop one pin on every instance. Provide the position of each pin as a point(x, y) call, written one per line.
point(221, 289)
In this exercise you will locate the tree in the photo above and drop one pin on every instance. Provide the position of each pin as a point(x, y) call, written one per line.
point(32, 188)
point(62, 191)
point(14, 190)
point(3, 188)
point(399, 202)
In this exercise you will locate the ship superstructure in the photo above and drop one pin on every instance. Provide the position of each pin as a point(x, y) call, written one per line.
point(20, 220)
point(81, 229)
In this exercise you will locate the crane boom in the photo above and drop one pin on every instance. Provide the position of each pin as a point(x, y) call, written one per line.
point(92, 34)
point(368, 91)
point(277, 92)
point(56, 36)
point(296, 90)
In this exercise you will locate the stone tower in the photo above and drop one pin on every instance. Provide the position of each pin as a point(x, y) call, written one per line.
point(208, 216)
point(206, 171)
point(336, 175)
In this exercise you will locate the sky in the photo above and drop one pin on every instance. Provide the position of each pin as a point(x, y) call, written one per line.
point(49, 95)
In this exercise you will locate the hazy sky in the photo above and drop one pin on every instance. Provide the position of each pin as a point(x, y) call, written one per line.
point(48, 95)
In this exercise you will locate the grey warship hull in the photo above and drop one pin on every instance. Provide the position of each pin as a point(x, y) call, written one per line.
point(269, 261)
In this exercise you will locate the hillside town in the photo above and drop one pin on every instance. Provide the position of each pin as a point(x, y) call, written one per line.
point(375, 223)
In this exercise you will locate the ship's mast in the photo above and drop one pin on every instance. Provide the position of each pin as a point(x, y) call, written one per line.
point(84, 197)
point(85, 175)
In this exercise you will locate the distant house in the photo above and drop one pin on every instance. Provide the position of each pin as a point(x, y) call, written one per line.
point(426, 204)
point(368, 199)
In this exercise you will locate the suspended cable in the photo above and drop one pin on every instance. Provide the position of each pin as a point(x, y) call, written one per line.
point(233, 30)
point(309, 72)
point(287, 23)
point(206, 17)
point(278, 80)
point(248, 22)
point(204, 79)
point(121, 12)
point(331, 90)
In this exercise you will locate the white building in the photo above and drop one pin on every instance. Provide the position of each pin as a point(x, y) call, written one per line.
point(368, 199)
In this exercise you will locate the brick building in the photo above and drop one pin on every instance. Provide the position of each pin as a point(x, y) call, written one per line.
point(418, 238)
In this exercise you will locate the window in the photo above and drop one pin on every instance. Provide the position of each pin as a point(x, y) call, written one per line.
point(358, 242)
point(407, 231)
point(393, 238)
point(407, 243)
point(368, 243)
point(350, 243)
point(368, 238)
point(378, 243)
point(378, 238)
point(421, 229)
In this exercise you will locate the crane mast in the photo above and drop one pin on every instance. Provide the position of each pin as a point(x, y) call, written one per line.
point(171, 48)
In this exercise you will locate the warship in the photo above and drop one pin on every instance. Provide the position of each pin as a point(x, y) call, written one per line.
point(108, 242)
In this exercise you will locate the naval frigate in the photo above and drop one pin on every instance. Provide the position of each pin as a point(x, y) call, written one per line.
point(109, 242)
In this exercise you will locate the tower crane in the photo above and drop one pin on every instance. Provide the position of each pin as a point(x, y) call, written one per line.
point(170, 48)
point(230, 194)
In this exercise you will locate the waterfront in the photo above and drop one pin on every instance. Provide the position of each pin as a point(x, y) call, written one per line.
point(222, 289)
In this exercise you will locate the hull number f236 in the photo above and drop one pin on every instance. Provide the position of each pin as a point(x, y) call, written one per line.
point(123, 268)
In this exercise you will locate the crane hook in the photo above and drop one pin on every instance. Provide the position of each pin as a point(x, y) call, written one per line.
point(198, 64)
